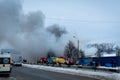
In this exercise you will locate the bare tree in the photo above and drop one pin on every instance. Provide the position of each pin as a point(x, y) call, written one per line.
point(82, 54)
point(103, 47)
point(71, 51)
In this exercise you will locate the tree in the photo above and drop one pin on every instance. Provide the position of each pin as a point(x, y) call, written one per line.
point(71, 51)
point(82, 54)
point(103, 47)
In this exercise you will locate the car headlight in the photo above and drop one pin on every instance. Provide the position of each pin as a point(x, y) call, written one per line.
point(5, 60)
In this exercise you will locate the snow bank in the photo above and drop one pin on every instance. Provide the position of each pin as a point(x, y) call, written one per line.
point(102, 75)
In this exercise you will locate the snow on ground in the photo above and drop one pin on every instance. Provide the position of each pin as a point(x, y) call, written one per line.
point(115, 68)
point(102, 75)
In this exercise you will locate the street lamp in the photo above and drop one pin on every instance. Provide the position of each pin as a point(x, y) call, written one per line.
point(77, 43)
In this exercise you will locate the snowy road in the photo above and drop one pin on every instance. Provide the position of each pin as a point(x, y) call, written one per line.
point(24, 73)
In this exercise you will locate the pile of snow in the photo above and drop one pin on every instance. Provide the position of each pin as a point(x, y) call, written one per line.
point(102, 75)
point(105, 54)
point(114, 68)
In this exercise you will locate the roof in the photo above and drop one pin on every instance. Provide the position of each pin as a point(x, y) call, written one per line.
point(5, 55)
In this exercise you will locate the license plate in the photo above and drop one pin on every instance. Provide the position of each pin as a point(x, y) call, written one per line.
point(7, 65)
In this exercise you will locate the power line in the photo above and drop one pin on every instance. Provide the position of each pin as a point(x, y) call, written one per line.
point(82, 21)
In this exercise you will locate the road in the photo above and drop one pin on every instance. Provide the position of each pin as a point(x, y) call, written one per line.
point(24, 73)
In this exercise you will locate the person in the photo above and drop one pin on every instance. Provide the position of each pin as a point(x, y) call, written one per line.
point(113, 63)
point(91, 64)
point(95, 64)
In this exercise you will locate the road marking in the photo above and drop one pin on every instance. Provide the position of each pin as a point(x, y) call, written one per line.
point(9, 78)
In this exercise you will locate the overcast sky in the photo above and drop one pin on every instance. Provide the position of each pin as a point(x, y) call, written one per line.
point(93, 20)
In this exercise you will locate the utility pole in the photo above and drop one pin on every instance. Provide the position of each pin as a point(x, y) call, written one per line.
point(118, 56)
point(118, 52)
point(77, 45)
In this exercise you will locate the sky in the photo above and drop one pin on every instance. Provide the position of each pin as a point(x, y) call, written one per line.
point(90, 20)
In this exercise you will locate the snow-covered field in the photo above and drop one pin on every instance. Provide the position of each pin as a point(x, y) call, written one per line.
point(102, 75)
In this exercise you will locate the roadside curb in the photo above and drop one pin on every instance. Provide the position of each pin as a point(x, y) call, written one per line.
point(79, 72)
point(99, 68)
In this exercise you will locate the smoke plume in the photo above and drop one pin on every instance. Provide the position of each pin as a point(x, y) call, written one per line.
point(27, 32)
point(56, 30)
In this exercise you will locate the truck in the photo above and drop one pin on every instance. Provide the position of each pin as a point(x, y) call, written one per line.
point(59, 60)
point(16, 59)
point(5, 63)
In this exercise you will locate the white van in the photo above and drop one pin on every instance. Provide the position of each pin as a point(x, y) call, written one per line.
point(16, 59)
point(5, 64)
